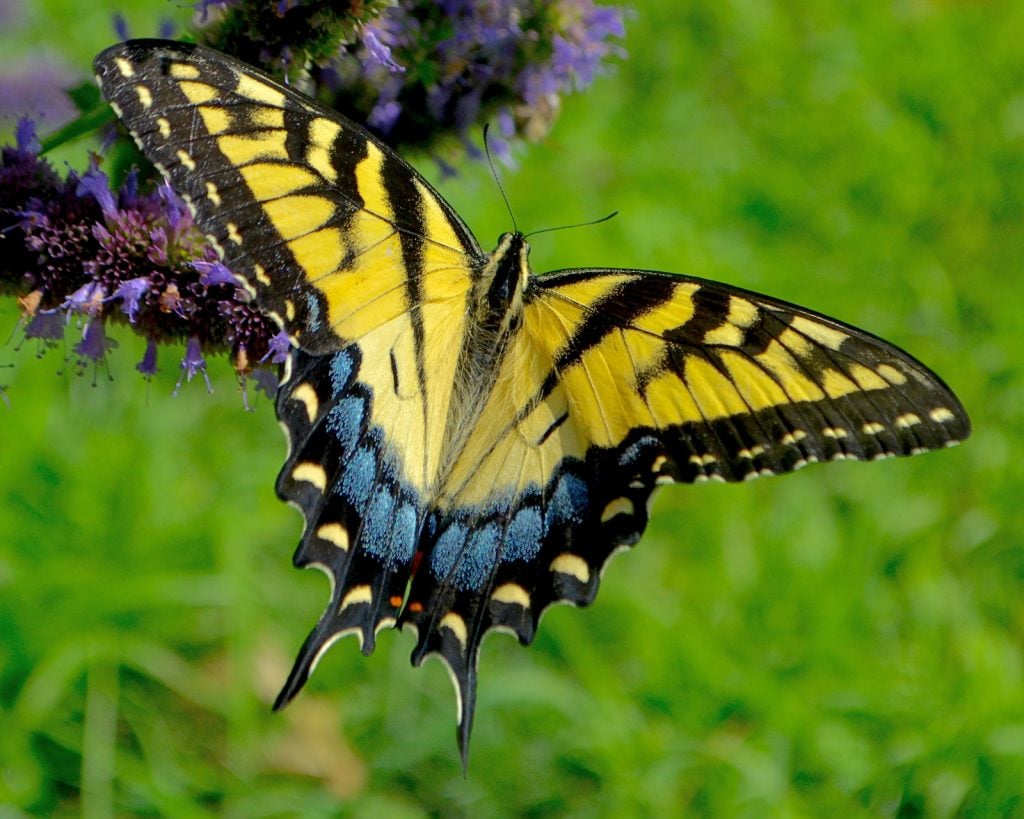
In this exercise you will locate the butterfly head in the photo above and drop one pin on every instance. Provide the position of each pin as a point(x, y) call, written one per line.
point(502, 282)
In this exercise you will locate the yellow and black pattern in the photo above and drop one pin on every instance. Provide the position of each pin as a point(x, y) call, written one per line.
point(336, 237)
point(468, 443)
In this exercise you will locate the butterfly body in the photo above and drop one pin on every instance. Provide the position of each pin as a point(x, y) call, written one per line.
point(494, 315)
point(469, 442)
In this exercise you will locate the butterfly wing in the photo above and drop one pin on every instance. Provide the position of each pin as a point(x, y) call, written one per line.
point(331, 231)
point(618, 382)
point(361, 262)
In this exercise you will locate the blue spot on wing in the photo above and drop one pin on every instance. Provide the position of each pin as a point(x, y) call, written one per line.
point(522, 538)
point(403, 534)
point(466, 558)
point(447, 550)
point(345, 421)
point(313, 312)
point(479, 558)
point(567, 502)
point(359, 474)
point(341, 371)
point(634, 452)
point(378, 524)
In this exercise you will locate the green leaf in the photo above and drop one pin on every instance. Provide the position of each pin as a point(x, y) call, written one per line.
point(87, 123)
point(86, 96)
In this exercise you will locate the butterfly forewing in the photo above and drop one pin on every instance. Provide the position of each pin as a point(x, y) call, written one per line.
point(329, 228)
point(766, 386)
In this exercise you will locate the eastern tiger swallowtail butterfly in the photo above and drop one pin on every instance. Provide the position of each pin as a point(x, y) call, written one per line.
point(469, 442)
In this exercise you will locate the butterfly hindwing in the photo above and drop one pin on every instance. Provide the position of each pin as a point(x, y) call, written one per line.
point(362, 517)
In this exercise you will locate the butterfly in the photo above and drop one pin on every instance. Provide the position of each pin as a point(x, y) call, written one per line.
point(469, 442)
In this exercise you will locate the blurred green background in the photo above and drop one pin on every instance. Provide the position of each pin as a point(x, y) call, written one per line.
point(846, 641)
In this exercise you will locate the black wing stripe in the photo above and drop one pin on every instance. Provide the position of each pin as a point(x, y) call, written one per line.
point(617, 308)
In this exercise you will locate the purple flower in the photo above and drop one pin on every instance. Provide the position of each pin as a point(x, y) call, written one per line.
point(159, 252)
point(279, 348)
point(506, 123)
point(24, 179)
point(266, 381)
point(148, 366)
point(25, 135)
point(193, 363)
point(376, 54)
point(174, 210)
point(131, 292)
point(76, 247)
point(214, 273)
point(129, 195)
point(94, 344)
point(87, 299)
point(120, 27)
point(384, 116)
point(421, 71)
point(474, 60)
point(94, 183)
point(48, 326)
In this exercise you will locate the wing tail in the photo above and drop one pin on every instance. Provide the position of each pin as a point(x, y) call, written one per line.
point(459, 650)
point(499, 570)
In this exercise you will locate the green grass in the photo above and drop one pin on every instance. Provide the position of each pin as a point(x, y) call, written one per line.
point(843, 641)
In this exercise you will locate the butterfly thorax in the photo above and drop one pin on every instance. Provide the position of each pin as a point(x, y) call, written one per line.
point(496, 310)
point(498, 293)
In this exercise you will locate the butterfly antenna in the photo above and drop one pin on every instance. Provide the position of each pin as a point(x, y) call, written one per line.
point(497, 179)
point(611, 215)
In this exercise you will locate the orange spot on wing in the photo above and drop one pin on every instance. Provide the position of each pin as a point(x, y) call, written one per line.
point(415, 607)
point(396, 601)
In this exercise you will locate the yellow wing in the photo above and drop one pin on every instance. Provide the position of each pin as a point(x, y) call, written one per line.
point(366, 268)
point(336, 237)
point(619, 381)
